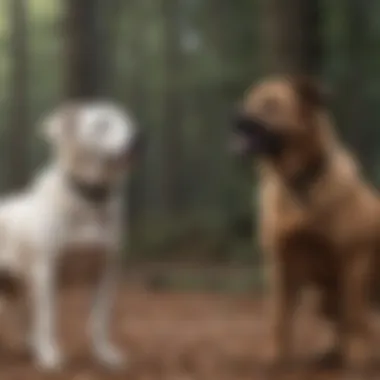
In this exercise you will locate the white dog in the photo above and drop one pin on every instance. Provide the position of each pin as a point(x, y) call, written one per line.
point(74, 207)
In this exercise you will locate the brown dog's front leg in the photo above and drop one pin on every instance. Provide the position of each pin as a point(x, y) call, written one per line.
point(282, 300)
point(355, 336)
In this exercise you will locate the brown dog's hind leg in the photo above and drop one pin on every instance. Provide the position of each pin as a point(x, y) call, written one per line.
point(355, 337)
point(332, 358)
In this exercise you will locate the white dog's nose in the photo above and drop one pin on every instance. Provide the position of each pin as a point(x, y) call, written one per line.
point(130, 152)
point(136, 146)
point(138, 142)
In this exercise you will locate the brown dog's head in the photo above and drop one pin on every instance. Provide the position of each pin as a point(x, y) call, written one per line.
point(281, 122)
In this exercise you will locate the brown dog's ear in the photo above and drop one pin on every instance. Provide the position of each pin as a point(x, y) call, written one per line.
point(311, 92)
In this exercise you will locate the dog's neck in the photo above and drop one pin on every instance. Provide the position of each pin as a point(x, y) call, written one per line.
point(302, 182)
point(94, 193)
point(299, 182)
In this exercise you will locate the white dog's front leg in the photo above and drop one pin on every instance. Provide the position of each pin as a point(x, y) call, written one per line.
point(43, 329)
point(99, 325)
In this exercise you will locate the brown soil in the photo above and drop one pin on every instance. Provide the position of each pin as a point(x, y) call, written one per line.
point(172, 336)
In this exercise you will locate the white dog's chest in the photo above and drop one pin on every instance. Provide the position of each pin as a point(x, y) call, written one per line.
point(88, 228)
point(81, 265)
point(86, 247)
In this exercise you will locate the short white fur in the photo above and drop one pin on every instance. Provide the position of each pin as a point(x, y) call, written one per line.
point(36, 227)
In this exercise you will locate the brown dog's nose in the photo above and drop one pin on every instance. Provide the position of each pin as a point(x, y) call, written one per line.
point(130, 152)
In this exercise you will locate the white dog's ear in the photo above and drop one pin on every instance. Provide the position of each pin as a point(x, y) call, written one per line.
point(60, 124)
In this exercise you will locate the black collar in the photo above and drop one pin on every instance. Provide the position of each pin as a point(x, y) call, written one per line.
point(96, 193)
point(306, 178)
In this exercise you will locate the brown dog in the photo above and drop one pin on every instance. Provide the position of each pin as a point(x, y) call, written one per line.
point(319, 219)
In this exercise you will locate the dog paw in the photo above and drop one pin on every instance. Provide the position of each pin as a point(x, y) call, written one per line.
point(329, 360)
point(49, 359)
point(110, 357)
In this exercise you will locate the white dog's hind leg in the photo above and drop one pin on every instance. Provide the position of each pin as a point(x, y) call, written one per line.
point(99, 322)
point(43, 330)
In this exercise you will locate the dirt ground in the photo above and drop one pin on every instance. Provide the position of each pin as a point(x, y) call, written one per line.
point(172, 336)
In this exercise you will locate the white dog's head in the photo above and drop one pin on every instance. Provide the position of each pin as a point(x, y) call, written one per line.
point(94, 142)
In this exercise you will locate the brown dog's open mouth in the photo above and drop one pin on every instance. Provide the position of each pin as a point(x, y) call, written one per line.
point(251, 136)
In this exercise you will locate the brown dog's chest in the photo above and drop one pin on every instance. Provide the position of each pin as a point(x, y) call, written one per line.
point(312, 256)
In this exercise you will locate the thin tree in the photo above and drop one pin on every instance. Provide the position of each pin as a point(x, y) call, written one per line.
point(292, 36)
point(19, 128)
point(137, 101)
point(357, 110)
point(109, 16)
point(172, 123)
point(84, 59)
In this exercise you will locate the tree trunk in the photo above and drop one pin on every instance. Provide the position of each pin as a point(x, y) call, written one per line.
point(292, 36)
point(19, 128)
point(172, 124)
point(109, 16)
point(137, 101)
point(356, 111)
point(84, 59)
